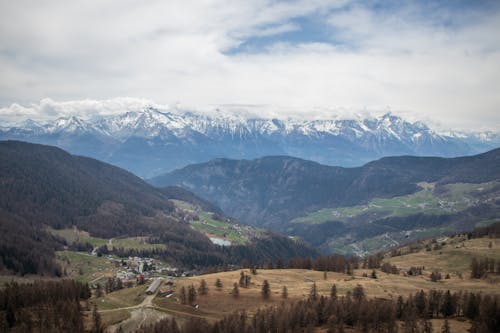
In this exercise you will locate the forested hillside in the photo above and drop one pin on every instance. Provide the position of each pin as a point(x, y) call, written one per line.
point(45, 187)
point(322, 203)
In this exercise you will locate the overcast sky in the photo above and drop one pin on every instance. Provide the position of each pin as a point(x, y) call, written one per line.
point(436, 60)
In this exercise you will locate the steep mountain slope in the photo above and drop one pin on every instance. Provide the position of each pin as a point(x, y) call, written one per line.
point(273, 191)
point(276, 188)
point(44, 186)
point(151, 141)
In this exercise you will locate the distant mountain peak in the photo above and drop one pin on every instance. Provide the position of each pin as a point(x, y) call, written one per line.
point(150, 140)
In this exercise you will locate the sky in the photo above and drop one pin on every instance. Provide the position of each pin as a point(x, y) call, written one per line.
point(428, 60)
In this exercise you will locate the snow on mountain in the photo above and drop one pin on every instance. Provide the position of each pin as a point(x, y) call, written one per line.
point(151, 122)
point(151, 140)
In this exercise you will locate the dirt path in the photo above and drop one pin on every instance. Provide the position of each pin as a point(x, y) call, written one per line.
point(146, 303)
point(138, 317)
point(140, 314)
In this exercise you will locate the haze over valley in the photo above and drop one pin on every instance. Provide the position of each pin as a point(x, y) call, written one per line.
point(250, 166)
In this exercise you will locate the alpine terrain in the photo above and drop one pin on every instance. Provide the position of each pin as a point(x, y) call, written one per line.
point(353, 210)
point(51, 200)
point(151, 141)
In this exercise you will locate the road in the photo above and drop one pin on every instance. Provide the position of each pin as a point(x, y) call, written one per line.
point(140, 314)
point(146, 313)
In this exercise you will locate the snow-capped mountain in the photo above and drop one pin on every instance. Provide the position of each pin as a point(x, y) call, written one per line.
point(151, 141)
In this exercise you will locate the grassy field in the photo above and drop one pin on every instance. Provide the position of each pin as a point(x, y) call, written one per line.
point(456, 197)
point(225, 230)
point(345, 245)
point(74, 235)
point(84, 267)
point(139, 243)
point(219, 229)
point(123, 298)
point(453, 259)
point(299, 282)
point(220, 302)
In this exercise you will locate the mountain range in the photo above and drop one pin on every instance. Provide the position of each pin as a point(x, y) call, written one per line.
point(44, 188)
point(391, 198)
point(149, 142)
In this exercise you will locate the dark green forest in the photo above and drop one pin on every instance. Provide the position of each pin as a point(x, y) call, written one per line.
point(44, 187)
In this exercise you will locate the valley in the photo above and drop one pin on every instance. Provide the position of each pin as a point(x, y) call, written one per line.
point(358, 211)
point(453, 259)
point(445, 199)
point(131, 307)
point(138, 254)
point(440, 200)
point(270, 166)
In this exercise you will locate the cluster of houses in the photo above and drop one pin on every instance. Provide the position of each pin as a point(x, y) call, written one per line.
point(140, 269)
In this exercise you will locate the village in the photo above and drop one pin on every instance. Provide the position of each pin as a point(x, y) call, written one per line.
point(134, 271)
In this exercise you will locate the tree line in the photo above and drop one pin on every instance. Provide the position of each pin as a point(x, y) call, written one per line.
point(356, 311)
point(26, 248)
point(483, 266)
point(51, 306)
point(195, 251)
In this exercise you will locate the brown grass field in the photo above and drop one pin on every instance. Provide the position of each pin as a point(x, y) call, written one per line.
point(454, 259)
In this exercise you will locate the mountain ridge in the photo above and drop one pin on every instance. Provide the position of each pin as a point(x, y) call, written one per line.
point(151, 141)
point(275, 191)
point(44, 187)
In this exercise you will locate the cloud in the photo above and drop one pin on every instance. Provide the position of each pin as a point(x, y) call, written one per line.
point(48, 109)
point(428, 60)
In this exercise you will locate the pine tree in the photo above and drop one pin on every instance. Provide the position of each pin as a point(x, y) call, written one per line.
point(266, 290)
point(333, 292)
point(248, 278)
point(313, 294)
point(98, 291)
point(374, 274)
point(284, 292)
point(236, 290)
point(203, 289)
point(119, 284)
point(448, 306)
point(420, 302)
point(358, 293)
point(435, 276)
point(183, 295)
point(96, 321)
point(242, 279)
point(191, 294)
point(218, 284)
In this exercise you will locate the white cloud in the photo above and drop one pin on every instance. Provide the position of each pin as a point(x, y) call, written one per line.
point(432, 63)
point(48, 109)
